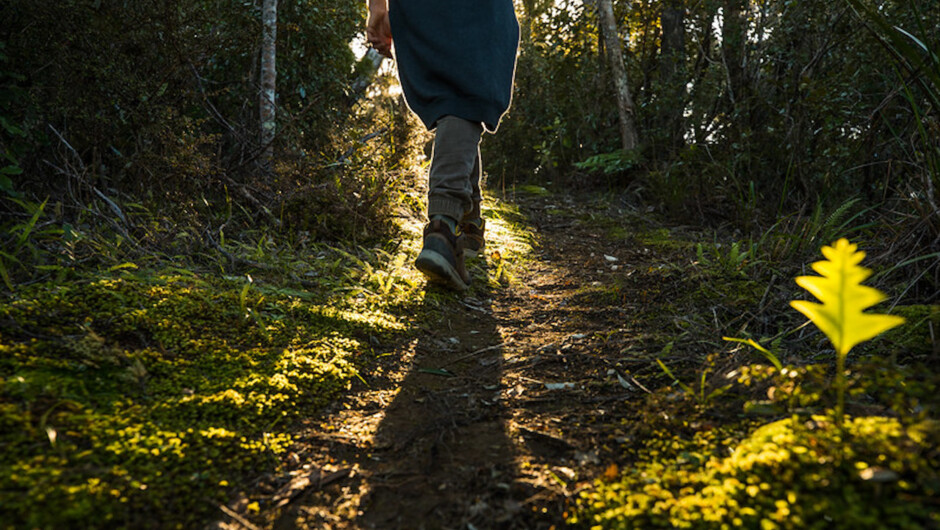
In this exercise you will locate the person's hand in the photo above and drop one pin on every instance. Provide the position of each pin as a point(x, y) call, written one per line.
point(378, 30)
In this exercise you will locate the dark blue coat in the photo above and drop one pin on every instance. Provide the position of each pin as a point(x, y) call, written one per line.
point(456, 57)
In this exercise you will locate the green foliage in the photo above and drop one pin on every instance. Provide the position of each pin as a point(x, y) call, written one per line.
point(134, 399)
point(609, 163)
point(108, 83)
point(844, 298)
point(563, 111)
point(699, 465)
point(917, 56)
point(803, 109)
point(154, 106)
point(793, 473)
point(10, 134)
point(732, 262)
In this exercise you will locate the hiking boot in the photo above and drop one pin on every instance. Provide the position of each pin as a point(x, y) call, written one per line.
point(441, 258)
point(473, 242)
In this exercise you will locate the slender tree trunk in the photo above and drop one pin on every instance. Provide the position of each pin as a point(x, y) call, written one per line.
point(733, 38)
point(268, 109)
point(701, 115)
point(672, 69)
point(608, 25)
point(528, 7)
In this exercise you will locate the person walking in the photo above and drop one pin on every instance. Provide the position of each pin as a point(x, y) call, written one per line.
point(456, 62)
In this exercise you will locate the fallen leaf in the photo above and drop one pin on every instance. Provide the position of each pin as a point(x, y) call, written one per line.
point(560, 386)
point(610, 474)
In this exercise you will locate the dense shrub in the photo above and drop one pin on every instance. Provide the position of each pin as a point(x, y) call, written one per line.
point(163, 94)
point(808, 105)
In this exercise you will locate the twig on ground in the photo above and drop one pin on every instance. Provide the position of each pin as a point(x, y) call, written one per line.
point(478, 352)
point(237, 518)
point(639, 385)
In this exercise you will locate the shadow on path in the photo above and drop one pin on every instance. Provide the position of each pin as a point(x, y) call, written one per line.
point(504, 405)
point(442, 456)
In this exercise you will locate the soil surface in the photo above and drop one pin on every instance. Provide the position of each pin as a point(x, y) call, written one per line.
point(507, 403)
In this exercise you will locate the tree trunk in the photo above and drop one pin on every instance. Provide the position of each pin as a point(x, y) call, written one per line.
point(608, 25)
point(672, 70)
point(268, 109)
point(733, 38)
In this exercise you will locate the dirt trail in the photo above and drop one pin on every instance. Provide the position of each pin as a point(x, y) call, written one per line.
point(497, 413)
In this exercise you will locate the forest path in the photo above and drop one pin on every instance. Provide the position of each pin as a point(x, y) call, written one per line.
point(506, 401)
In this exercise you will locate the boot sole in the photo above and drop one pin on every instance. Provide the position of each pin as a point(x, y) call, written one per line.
point(471, 252)
point(438, 270)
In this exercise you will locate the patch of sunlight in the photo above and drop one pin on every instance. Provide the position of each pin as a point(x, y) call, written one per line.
point(509, 241)
point(506, 230)
point(373, 318)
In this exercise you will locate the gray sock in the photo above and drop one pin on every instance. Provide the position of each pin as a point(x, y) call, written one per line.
point(449, 221)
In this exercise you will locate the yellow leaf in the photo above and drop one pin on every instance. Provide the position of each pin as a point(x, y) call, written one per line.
point(843, 298)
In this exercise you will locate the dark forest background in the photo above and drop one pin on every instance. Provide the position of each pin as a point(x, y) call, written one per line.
point(773, 119)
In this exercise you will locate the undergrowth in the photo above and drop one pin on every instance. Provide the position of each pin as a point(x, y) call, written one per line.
point(791, 473)
point(146, 395)
point(138, 398)
point(732, 440)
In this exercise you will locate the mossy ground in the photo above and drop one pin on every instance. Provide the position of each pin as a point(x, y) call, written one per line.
point(727, 440)
point(137, 398)
point(791, 473)
point(147, 397)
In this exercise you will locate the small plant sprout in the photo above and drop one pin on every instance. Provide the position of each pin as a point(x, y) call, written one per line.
point(839, 288)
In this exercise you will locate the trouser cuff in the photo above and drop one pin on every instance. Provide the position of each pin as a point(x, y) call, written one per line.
point(452, 208)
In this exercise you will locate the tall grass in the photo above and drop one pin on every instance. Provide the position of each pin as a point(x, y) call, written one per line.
point(914, 55)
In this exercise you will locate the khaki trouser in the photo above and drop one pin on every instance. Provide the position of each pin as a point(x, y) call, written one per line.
point(454, 179)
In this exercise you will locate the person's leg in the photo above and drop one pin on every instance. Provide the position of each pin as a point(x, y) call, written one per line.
point(472, 224)
point(476, 195)
point(451, 183)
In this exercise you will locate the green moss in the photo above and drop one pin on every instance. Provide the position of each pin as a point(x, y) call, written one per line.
point(917, 337)
point(141, 398)
point(662, 238)
point(531, 189)
point(791, 473)
point(126, 400)
point(618, 233)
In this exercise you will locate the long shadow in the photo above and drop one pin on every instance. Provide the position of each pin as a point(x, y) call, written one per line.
point(452, 432)
point(442, 455)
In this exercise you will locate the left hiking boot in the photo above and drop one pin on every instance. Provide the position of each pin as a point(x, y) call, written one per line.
point(472, 233)
point(442, 258)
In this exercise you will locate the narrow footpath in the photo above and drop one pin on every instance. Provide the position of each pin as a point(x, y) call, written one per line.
point(506, 404)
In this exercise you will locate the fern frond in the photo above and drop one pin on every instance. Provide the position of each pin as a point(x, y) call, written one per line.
point(834, 219)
